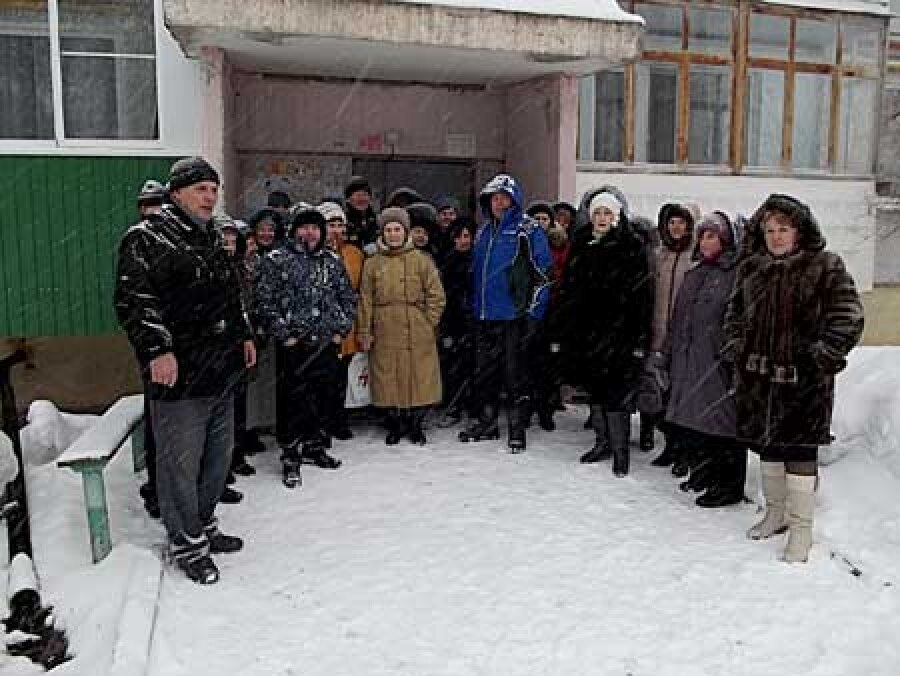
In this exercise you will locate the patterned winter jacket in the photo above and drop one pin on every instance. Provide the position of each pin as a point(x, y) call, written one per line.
point(305, 295)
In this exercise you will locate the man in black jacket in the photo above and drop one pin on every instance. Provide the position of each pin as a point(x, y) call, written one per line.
point(179, 300)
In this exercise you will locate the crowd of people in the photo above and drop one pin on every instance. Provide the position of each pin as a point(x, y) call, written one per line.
point(723, 333)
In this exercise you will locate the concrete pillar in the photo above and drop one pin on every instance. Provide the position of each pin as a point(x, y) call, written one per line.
point(217, 101)
point(541, 136)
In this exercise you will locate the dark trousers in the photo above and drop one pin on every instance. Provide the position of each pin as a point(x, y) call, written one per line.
point(501, 363)
point(239, 455)
point(194, 439)
point(339, 395)
point(457, 372)
point(308, 378)
point(545, 367)
point(149, 439)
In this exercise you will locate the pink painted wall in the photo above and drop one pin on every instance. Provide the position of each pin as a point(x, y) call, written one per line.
point(541, 117)
point(281, 114)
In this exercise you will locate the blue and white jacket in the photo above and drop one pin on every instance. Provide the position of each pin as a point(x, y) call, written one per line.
point(511, 260)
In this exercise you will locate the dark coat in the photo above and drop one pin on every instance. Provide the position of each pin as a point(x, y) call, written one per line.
point(701, 397)
point(362, 226)
point(790, 323)
point(457, 322)
point(177, 292)
point(604, 312)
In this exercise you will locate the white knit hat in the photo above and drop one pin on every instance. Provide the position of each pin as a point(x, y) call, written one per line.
point(608, 200)
point(330, 211)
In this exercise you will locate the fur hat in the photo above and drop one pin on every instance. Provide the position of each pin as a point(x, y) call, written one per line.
point(189, 171)
point(393, 215)
point(152, 192)
point(332, 211)
point(306, 216)
point(608, 200)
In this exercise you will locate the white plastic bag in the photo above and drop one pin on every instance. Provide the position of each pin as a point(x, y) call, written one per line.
point(359, 393)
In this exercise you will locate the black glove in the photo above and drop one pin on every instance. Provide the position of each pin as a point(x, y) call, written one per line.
point(827, 358)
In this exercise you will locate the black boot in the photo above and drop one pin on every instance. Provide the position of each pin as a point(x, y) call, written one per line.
point(219, 543)
point(646, 441)
point(192, 556)
point(669, 455)
point(314, 452)
point(231, 496)
point(416, 426)
point(290, 466)
point(618, 423)
point(705, 475)
point(545, 419)
point(151, 500)
point(486, 428)
point(729, 487)
point(239, 464)
point(251, 442)
point(601, 450)
point(396, 426)
point(519, 413)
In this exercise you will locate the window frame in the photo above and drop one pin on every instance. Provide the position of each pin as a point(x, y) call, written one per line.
point(740, 63)
point(60, 140)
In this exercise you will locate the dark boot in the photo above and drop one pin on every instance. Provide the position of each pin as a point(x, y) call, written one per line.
point(703, 476)
point(647, 427)
point(219, 543)
point(416, 426)
point(396, 427)
point(290, 467)
point(486, 428)
point(618, 423)
point(251, 442)
point(239, 464)
point(729, 486)
point(151, 500)
point(314, 452)
point(601, 450)
point(670, 453)
point(519, 414)
point(545, 419)
point(192, 556)
point(231, 496)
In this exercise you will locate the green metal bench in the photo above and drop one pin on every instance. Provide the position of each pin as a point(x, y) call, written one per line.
point(90, 454)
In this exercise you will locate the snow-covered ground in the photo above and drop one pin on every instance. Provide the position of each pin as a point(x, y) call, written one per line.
point(463, 559)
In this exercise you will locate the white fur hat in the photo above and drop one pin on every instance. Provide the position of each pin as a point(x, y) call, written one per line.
point(608, 200)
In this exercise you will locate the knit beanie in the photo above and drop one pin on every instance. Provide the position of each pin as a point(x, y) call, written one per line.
point(356, 184)
point(608, 200)
point(189, 171)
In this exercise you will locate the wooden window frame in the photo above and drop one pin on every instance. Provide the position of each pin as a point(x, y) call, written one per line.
point(740, 62)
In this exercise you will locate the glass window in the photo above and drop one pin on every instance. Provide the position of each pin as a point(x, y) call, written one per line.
point(609, 142)
point(769, 36)
point(857, 129)
point(812, 115)
point(655, 112)
point(710, 31)
point(861, 43)
point(109, 98)
point(816, 41)
point(127, 25)
point(764, 117)
point(26, 95)
point(663, 26)
point(710, 120)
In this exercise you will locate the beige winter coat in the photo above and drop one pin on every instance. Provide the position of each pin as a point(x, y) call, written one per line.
point(670, 268)
point(400, 305)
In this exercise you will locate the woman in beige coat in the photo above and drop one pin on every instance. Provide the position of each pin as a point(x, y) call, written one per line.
point(400, 305)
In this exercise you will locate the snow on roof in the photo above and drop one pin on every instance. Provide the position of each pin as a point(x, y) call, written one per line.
point(879, 7)
point(605, 10)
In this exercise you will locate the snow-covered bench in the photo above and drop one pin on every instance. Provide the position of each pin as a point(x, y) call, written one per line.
point(90, 454)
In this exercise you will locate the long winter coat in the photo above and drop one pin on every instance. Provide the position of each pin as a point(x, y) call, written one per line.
point(605, 311)
point(353, 262)
point(401, 301)
point(701, 398)
point(673, 260)
point(790, 323)
point(457, 322)
point(176, 292)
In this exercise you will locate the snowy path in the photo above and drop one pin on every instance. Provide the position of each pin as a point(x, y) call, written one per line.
point(461, 559)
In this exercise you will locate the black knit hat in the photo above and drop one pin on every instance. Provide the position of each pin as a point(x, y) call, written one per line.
point(541, 207)
point(356, 184)
point(191, 170)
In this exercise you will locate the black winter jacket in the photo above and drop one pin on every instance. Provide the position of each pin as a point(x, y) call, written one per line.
point(177, 292)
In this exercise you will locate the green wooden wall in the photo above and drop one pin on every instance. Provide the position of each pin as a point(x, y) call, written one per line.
point(60, 221)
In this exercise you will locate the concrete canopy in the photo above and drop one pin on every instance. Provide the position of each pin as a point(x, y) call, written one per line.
point(400, 41)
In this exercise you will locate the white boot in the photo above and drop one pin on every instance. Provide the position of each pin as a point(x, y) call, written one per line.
point(801, 503)
point(775, 492)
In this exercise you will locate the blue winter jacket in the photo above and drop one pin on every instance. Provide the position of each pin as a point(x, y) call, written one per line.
point(511, 260)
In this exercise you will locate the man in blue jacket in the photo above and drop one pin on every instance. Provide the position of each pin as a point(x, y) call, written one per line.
point(511, 286)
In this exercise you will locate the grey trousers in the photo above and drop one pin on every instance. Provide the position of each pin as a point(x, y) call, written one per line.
point(194, 441)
